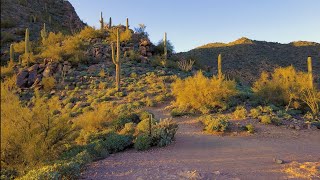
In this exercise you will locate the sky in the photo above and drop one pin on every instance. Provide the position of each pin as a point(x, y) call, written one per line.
point(192, 23)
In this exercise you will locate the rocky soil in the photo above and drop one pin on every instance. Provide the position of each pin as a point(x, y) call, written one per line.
point(196, 155)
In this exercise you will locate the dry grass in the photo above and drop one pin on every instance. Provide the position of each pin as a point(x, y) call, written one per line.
point(306, 170)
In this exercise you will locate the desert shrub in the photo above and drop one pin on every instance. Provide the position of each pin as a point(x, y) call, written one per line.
point(176, 112)
point(250, 128)
point(143, 126)
point(215, 123)
point(128, 129)
point(159, 49)
point(142, 142)
point(97, 149)
point(120, 122)
point(201, 93)
point(125, 36)
point(54, 51)
point(145, 115)
point(265, 119)
point(53, 38)
point(282, 86)
point(96, 120)
point(33, 135)
point(163, 132)
point(311, 97)
point(48, 83)
point(7, 71)
point(116, 142)
point(19, 47)
point(240, 112)
point(90, 33)
point(46, 172)
point(255, 112)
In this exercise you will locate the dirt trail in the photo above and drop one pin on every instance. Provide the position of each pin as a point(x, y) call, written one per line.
point(195, 155)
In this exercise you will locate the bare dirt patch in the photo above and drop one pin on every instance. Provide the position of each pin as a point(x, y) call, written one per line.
point(197, 155)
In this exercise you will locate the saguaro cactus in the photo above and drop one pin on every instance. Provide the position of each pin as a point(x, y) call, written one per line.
point(27, 42)
point(116, 60)
point(165, 49)
point(310, 72)
point(11, 53)
point(101, 22)
point(43, 32)
point(219, 66)
point(110, 22)
point(27, 46)
point(127, 24)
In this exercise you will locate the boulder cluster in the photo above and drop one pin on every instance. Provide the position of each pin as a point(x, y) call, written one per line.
point(31, 77)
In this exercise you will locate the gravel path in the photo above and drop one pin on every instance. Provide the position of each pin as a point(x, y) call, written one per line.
point(196, 155)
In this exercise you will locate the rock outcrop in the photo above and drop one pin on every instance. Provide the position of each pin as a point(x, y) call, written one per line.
point(31, 77)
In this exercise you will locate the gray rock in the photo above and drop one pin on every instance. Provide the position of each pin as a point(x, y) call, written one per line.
point(22, 79)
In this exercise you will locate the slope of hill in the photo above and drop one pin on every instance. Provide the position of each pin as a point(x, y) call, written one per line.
point(245, 59)
point(17, 15)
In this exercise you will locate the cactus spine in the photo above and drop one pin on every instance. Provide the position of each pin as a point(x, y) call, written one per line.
point(165, 46)
point(11, 53)
point(101, 22)
point(110, 22)
point(127, 24)
point(219, 66)
point(116, 60)
point(310, 72)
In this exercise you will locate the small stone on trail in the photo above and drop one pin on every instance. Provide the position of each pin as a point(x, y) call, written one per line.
point(278, 161)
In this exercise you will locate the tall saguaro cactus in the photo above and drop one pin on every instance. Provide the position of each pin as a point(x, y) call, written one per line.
point(11, 53)
point(110, 22)
point(127, 24)
point(27, 46)
point(310, 72)
point(44, 33)
point(27, 42)
point(101, 22)
point(219, 66)
point(116, 60)
point(165, 49)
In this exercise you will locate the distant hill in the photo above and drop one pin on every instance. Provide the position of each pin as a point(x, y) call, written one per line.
point(17, 15)
point(245, 59)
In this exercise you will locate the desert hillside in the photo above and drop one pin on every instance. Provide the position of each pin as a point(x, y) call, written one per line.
point(17, 15)
point(245, 59)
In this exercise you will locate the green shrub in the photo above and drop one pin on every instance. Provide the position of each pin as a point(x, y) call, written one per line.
point(240, 112)
point(163, 132)
point(142, 142)
point(129, 129)
point(250, 128)
point(143, 126)
point(116, 142)
point(46, 172)
point(265, 119)
point(215, 123)
point(199, 92)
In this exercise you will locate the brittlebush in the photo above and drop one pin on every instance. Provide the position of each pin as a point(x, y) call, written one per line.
point(201, 93)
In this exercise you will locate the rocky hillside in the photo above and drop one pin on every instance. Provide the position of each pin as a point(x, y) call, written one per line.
point(245, 59)
point(17, 15)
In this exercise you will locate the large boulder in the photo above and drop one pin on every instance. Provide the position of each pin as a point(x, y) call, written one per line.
point(22, 78)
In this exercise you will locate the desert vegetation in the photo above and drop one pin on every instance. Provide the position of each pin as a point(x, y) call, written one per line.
point(71, 97)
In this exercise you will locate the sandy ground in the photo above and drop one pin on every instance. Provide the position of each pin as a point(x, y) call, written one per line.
point(196, 155)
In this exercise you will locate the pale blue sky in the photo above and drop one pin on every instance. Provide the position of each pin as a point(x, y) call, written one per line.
point(191, 23)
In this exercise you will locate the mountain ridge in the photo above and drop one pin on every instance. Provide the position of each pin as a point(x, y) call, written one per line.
point(245, 59)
